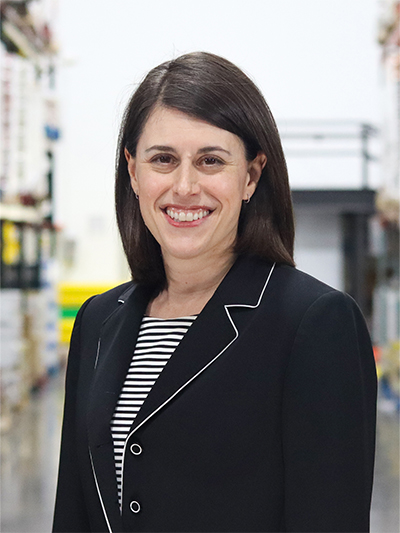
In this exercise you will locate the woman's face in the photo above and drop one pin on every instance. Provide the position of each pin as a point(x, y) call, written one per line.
point(191, 178)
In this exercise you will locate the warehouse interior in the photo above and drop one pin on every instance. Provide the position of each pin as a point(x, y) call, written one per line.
point(51, 263)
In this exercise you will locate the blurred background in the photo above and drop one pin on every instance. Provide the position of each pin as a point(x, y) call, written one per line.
point(330, 71)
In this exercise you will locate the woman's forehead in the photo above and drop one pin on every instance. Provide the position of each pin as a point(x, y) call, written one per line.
point(169, 126)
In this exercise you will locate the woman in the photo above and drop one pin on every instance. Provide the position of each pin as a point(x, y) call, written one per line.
point(222, 390)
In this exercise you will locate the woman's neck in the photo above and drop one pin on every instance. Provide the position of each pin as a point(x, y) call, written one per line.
point(190, 284)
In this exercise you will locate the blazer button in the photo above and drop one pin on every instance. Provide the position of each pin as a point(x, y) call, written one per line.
point(134, 507)
point(136, 449)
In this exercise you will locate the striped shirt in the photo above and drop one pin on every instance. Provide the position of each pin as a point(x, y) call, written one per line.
point(156, 342)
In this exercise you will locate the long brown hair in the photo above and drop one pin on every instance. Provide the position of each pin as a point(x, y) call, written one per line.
point(213, 89)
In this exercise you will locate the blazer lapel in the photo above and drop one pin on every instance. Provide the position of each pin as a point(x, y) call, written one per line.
point(208, 337)
point(114, 353)
point(212, 333)
point(115, 349)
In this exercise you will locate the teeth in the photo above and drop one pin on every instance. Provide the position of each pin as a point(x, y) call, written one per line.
point(186, 216)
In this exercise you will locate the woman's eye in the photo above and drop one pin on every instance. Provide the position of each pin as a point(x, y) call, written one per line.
point(211, 161)
point(163, 159)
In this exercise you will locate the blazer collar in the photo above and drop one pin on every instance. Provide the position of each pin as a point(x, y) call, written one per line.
point(243, 286)
point(203, 344)
point(114, 353)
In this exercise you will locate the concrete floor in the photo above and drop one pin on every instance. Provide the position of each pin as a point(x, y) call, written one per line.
point(29, 459)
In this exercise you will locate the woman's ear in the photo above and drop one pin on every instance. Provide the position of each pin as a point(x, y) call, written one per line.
point(132, 170)
point(254, 169)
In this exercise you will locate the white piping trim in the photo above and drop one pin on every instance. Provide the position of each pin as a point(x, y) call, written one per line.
point(98, 352)
point(261, 293)
point(99, 341)
point(193, 377)
point(99, 493)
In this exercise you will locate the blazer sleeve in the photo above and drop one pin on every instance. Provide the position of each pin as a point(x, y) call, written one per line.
point(329, 413)
point(70, 510)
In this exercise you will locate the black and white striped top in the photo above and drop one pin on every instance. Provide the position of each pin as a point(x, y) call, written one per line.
point(156, 342)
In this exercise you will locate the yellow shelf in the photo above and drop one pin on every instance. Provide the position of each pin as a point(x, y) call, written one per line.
point(70, 298)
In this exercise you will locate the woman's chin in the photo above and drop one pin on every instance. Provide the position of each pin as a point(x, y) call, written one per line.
point(184, 253)
point(192, 249)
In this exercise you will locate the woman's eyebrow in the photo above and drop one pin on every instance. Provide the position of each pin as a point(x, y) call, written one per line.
point(161, 148)
point(204, 150)
point(213, 149)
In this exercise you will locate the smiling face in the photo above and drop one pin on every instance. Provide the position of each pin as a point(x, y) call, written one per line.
point(191, 178)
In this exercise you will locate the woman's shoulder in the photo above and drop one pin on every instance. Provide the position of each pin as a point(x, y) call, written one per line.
point(99, 306)
point(278, 288)
point(302, 285)
point(118, 293)
point(252, 277)
point(307, 295)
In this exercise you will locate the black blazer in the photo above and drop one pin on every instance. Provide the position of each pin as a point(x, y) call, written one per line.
point(262, 420)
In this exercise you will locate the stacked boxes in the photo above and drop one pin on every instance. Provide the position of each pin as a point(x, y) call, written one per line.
point(11, 345)
point(71, 297)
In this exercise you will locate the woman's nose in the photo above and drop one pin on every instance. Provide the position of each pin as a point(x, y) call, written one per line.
point(186, 180)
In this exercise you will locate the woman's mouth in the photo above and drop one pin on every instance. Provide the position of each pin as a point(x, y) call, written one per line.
point(186, 215)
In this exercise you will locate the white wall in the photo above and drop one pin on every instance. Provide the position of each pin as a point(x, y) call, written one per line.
point(311, 59)
point(318, 247)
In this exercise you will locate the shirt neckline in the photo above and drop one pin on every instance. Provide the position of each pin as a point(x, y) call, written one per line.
point(185, 317)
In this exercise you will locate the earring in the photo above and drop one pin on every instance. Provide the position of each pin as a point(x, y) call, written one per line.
point(248, 199)
point(136, 196)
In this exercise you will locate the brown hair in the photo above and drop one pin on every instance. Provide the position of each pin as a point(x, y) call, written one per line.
point(210, 88)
